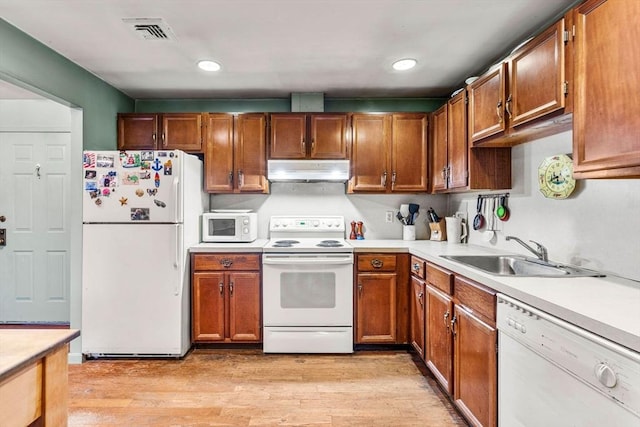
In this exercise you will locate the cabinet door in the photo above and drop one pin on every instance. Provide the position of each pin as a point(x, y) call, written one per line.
point(439, 149)
point(606, 135)
point(288, 133)
point(250, 154)
point(328, 136)
point(486, 104)
point(376, 308)
point(244, 307)
point(409, 152)
point(475, 367)
point(536, 77)
point(208, 306)
point(218, 156)
point(369, 155)
point(457, 142)
point(439, 348)
point(137, 131)
point(418, 299)
point(181, 131)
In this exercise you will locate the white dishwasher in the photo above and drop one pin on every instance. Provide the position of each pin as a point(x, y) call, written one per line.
point(552, 373)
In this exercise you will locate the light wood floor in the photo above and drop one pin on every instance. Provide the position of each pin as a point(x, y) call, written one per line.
point(248, 388)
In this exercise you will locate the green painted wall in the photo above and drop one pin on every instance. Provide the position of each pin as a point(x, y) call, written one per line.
point(275, 105)
point(28, 63)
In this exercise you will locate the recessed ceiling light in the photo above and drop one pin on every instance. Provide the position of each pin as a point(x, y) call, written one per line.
point(208, 65)
point(404, 64)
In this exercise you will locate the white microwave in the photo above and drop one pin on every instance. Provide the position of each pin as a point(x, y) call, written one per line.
point(229, 226)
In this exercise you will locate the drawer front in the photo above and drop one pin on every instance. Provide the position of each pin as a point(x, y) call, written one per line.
point(418, 267)
point(440, 278)
point(377, 262)
point(478, 299)
point(226, 262)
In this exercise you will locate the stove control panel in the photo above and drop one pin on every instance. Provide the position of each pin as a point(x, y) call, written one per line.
point(307, 223)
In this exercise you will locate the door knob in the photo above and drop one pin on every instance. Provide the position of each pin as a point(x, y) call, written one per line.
point(3, 237)
point(2, 218)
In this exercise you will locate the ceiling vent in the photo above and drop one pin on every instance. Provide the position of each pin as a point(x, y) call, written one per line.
point(150, 28)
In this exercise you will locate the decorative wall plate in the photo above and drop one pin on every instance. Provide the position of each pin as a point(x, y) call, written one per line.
point(555, 177)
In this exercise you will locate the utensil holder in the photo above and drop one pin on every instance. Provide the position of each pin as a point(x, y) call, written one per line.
point(438, 231)
point(408, 232)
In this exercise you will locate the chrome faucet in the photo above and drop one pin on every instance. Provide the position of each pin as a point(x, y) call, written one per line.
point(540, 251)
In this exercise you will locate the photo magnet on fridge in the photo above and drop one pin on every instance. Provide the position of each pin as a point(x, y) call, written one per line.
point(167, 167)
point(146, 156)
point(88, 160)
point(105, 161)
point(90, 174)
point(139, 214)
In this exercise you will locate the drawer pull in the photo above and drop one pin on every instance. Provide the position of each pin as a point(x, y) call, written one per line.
point(416, 266)
point(376, 263)
point(226, 263)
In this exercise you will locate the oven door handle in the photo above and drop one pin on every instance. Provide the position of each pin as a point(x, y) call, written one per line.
point(310, 260)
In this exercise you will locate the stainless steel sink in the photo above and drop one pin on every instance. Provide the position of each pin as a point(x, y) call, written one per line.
point(513, 265)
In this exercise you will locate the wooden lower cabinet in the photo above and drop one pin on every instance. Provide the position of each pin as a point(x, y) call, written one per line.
point(417, 302)
point(226, 302)
point(381, 299)
point(461, 345)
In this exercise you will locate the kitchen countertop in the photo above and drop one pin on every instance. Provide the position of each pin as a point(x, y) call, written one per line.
point(255, 246)
point(21, 347)
point(607, 306)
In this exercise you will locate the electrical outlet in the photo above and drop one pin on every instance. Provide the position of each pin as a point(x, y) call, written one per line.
point(388, 216)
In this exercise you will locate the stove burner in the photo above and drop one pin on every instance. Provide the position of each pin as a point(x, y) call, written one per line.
point(284, 243)
point(330, 244)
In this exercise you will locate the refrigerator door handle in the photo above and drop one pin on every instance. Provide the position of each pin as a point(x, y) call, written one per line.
point(176, 262)
point(177, 197)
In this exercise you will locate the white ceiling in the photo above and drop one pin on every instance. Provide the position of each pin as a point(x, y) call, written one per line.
point(271, 48)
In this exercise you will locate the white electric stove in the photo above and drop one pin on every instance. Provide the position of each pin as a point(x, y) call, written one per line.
point(307, 286)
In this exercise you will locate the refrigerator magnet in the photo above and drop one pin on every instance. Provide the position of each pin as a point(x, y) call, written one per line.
point(88, 160)
point(156, 180)
point(106, 192)
point(145, 165)
point(105, 161)
point(156, 166)
point(98, 202)
point(167, 167)
point(90, 185)
point(90, 174)
point(139, 192)
point(94, 193)
point(123, 201)
point(139, 214)
point(160, 203)
point(144, 175)
point(152, 191)
point(130, 160)
point(162, 154)
point(130, 179)
point(146, 156)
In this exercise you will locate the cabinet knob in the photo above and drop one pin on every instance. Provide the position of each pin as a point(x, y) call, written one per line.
point(376, 263)
point(226, 263)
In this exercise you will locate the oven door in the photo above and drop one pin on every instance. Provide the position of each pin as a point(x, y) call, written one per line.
point(308, 289)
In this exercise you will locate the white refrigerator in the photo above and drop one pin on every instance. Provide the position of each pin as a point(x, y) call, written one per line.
point(141, 213)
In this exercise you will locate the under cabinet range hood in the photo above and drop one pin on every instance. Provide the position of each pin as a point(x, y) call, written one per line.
point(308, 170)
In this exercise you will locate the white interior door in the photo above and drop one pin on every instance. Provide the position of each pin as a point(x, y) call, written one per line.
point(35, 203)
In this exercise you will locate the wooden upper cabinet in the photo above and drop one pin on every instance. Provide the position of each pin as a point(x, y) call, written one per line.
point(606, 119)
point(328, 136)
point(371, 135)
point(235, 155)
point(137, 131)
point(250, 153)
point(527, 96)
point(486, 104)
point(537, 84)
point(389, 153)
point(439, 147)
point(218, 157)
point(288, 134)
point(170, 131)
point(457, 148)
point(308, 136)
point(181, 131)
point(409, 152)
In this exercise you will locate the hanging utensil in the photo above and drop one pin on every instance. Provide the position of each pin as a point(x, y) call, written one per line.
point(502, 211)
point(489, 234)
point(413, 208)
point(478, 220)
